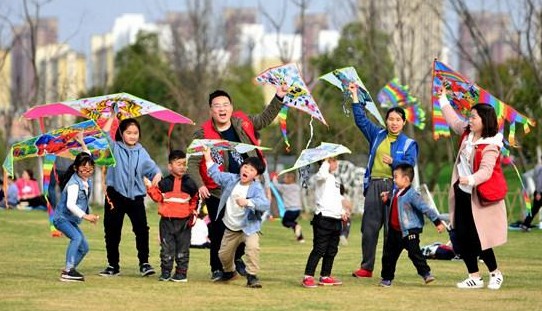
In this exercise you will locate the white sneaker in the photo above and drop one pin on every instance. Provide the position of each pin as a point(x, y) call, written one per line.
point(471, 283)
point(495, 280)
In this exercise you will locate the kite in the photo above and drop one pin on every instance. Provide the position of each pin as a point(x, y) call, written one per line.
point(394, 94)
point(342, 78)
point(312, 155)
point(197, 145)
point(298, 95)
point(61, 143)
point(464, 94)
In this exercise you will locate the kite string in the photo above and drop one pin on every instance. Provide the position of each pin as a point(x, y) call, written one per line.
point(312, 133)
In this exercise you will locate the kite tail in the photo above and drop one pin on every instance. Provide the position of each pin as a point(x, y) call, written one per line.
point(525, 193)
point(283, 115)
point(312, 134)
point(346, 98)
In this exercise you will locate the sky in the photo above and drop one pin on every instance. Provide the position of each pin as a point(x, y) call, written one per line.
point(80, 19)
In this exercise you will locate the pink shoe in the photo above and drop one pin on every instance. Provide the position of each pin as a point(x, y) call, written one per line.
point(362, 273)
point(329, 280)
point(308, 281)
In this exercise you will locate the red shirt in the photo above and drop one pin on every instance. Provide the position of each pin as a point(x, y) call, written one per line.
point(394, 213)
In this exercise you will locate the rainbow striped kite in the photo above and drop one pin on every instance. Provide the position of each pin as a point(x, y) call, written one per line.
point(464, 94)
point(394, 94)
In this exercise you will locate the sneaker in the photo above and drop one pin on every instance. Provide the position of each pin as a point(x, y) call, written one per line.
point(228, 276)
point(329, 280)
point(428, 278)
point(179, 276)
point(216, 275)
point(110, 271)
point(362, 273)
point(525, 228)
point(385, 283)
point(301, 240)
point(165, 276)
point(495, 280)
point(308, 281)
point(253, 281)
point(146, 269)
point(471, 283)
point(71, 275)
point(240, 267)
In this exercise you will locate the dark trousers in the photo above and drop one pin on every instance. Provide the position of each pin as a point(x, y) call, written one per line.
point(289, 219)
point(394, 245)
point(534, 211)
point(175, 238)
point(374, 214)
point(466, 235)
point(216, 232)
point(325, 244)
point(113, 221)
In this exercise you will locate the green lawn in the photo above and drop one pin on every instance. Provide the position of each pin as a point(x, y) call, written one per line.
point(31, 261)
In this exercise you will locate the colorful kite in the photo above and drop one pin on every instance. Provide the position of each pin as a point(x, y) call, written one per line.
point(464, 94)
point(197, 145)
point(342, 78)
point(61, 142)
point(394, 94)
point(312, 155)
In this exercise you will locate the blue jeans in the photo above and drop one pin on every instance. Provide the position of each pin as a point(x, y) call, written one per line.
point(78, 247)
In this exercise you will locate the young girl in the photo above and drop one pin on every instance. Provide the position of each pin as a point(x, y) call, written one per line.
point(125, 193)
point(72, 207)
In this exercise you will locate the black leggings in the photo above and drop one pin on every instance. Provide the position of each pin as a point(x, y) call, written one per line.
point(466, 235)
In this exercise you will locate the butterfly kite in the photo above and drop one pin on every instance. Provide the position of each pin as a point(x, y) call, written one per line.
point(394, 94)
point(197, 145)
point(342, 78)
point(464, 94)
point(298, 95)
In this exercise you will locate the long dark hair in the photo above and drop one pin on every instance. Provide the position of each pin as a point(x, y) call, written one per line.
point(400, 111)
point(489, 119)
point(81, 159)
point(123, 125)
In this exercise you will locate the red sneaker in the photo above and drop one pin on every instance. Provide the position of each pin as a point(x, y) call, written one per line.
point(329, 280)
point(362, 273)
point(308, 281)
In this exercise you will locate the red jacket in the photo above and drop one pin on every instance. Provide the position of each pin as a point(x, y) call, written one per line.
point(176, 197)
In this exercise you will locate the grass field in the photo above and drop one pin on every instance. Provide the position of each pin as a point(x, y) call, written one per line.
point(31, 261)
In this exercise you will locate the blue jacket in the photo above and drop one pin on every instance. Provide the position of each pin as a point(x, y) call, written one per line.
point(62, 212)
point(227, 181)
point(133, 163)
point(403, 150)
point(411, 208)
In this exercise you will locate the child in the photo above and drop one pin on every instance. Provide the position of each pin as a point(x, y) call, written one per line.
point(326, 224)
point(347, 206)
point(177, 195)
point(12, 195)
point(244, 200)
point(405, 223)
point(72, 207)
point(291, 195)
point(125, 193)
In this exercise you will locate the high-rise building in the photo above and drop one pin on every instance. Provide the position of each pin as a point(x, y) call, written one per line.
point(234, 18)
point(311, 25)
point(5, 81)
point(416, 31)
point(102, 60)
point(23, 87)
point(496, 29)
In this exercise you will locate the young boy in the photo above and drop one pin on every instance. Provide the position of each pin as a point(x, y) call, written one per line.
point(405, 223)
point(326, 225)
point(291, 194)
point(242, 203)
point(177, 197)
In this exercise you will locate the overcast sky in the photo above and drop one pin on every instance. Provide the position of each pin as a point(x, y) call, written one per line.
point(79, 19)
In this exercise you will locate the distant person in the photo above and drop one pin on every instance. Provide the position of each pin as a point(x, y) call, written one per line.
point(405, 217)
point(12, 194)
point(177, 197)
point(125, 194)
point(243, 201)
point(537, 199)
point(29, 191)
point(290, 191)
point(73, 206)
point(326, 226)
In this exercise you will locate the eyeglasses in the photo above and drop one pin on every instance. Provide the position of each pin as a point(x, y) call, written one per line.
point(86, 170)
point(220, 105)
